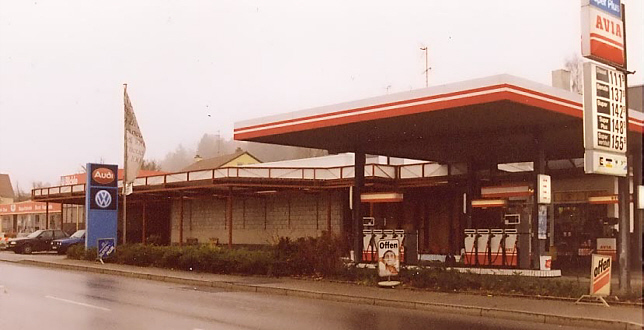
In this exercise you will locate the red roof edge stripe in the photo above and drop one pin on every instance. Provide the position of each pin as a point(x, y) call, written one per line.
point(486, 98)
point(469, 91)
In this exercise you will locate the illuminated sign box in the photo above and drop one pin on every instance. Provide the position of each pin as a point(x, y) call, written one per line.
point(602, 32)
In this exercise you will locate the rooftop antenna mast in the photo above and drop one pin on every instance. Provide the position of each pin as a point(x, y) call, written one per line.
point(427, 68)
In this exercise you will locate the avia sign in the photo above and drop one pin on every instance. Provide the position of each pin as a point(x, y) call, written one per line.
point(600, 270)
point(602, 31)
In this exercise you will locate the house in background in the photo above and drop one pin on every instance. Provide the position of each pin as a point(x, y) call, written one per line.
point(6, 191)
point(237, 158)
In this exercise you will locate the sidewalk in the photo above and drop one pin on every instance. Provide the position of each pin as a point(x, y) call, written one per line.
point(526, 309)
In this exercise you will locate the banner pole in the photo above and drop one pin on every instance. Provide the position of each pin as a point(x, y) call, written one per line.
point(124, 167)
point(623, 186)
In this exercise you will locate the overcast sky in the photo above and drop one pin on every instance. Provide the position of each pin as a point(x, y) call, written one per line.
point(63, 64)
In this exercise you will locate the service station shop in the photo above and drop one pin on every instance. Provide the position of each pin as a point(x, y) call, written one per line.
point(475, 196)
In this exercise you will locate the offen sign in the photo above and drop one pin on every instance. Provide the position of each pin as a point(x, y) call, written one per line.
point(600, 273)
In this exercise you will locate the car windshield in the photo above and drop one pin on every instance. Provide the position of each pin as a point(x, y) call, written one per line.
point(35, 234)
point(78, 234)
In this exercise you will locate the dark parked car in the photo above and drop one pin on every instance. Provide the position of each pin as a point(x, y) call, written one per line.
point(40, 240)
point(61, 245)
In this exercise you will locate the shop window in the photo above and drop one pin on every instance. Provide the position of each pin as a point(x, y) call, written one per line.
point(577, 227)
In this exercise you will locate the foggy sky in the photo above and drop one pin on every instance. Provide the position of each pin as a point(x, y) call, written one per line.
point(63, 64)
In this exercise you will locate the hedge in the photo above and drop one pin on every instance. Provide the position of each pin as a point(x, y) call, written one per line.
point(288, 257)
point(322, 256)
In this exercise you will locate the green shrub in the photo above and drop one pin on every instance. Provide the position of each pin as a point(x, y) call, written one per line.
point(169, 258)
point(91, 254)
point(441, 279)
point(306, 256)
point(138, 254)
point(76, 252)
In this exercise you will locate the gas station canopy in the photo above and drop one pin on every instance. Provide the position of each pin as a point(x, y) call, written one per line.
point(496, 119)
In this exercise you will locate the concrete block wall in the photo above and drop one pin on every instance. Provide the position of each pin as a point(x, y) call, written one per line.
point(258, 219)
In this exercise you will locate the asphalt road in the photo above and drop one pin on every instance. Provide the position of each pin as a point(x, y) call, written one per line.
point(40, 298)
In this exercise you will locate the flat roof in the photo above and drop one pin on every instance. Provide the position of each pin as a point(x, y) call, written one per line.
point(492, 119)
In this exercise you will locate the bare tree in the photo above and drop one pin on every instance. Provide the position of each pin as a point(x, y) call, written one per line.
point(20, 195)
point(178, 159)
point(150, 165)
point(574, 64)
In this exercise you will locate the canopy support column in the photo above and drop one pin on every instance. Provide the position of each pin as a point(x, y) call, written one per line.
point(181, 220)
point(144, 224)
point(360, 159)
point(47, 215)
point(229, 216)
point(538, 246)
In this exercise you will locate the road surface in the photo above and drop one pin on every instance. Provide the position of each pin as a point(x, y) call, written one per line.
point(42, 298)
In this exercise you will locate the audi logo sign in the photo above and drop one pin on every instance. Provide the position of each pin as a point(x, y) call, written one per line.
point(103, 176)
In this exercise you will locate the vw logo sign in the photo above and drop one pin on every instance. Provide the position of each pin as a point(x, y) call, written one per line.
point(103, 199)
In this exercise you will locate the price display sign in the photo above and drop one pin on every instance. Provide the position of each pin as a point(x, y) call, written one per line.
point(604, 109)
point(605, 122)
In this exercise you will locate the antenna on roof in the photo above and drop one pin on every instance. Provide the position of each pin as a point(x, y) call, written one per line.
point(427, 67)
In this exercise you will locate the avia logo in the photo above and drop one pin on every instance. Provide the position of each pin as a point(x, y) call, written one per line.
point(103, 199)
point(608, 25)
point(103, 175)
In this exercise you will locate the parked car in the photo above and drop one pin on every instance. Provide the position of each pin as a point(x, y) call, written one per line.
point(61, 245)
point(40, 240)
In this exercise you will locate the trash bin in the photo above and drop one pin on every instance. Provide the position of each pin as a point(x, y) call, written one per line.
point(545, 262)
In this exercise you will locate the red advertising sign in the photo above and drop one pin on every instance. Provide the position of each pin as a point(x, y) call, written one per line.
point(602, 37)
point(28, 207)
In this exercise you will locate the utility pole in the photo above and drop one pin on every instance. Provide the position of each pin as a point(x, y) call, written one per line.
point(427, 68)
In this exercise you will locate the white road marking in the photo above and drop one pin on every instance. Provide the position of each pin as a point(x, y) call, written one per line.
point(79, 303)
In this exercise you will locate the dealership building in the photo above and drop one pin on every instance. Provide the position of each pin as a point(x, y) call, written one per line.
point(452, 168)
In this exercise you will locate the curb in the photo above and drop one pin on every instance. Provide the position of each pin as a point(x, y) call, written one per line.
point(507, 314)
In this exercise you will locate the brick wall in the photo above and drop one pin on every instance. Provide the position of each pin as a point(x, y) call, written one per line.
point(258, 220)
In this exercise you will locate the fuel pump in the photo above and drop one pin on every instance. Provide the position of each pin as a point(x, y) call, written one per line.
point(483, 247)
point(368, 243)
point(470, 246)
point(510, 240)
point(496, 248)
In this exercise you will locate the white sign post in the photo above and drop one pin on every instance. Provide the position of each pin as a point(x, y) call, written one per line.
point(544, 190)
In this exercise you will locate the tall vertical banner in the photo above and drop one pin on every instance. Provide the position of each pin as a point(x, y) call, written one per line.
point(602, 31)
point(134, 145)
point(101, 203)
